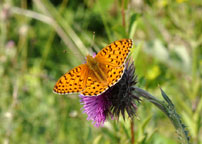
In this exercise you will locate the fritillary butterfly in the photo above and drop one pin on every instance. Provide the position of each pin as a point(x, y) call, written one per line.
point(98, 73)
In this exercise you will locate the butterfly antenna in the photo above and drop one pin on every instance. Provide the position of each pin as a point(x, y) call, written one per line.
point(92, 47)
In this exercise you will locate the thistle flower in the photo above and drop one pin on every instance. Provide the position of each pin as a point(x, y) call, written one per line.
point(116, 101)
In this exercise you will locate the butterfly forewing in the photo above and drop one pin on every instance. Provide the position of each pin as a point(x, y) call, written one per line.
point(73, 81)
point(112, 59)
point(116, 53)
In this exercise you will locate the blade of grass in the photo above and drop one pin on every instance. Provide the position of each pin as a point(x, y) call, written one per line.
point(47, 8)
point(46, 19)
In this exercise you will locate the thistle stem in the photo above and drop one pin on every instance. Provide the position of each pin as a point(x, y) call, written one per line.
point(132, 131)
point(169, 109)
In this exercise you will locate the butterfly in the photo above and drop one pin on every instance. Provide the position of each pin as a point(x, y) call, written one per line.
point(98, 73)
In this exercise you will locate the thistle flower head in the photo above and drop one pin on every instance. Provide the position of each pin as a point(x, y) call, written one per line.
point(117, 100)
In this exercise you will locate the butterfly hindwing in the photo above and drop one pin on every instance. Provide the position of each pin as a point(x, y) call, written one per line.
point(115, 74)
point(94, 88)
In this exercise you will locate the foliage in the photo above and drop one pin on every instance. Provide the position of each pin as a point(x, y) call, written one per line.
point(40, 40)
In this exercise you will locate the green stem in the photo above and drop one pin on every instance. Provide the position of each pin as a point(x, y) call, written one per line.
point(169, 109)
point(132, 131)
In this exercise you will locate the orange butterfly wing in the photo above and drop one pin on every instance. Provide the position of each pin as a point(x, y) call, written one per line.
point(111, 60)
point(113, 57)
point(116, 53)
point(115, 74)
point(73, 81)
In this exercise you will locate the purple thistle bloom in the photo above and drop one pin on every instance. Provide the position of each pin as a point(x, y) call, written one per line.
point(117, 100)
point(96, 108)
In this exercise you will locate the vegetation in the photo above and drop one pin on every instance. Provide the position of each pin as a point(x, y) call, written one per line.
point(40, 40)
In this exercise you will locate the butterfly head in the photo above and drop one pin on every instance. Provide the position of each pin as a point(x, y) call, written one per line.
point(91, 62)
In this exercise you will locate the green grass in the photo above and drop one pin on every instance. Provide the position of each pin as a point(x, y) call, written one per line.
point(40, 40)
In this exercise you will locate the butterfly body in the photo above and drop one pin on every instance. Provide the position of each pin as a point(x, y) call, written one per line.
point(98, 73)
point(96, 70)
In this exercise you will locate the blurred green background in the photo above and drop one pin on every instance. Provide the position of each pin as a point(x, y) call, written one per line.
point(40, 40)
